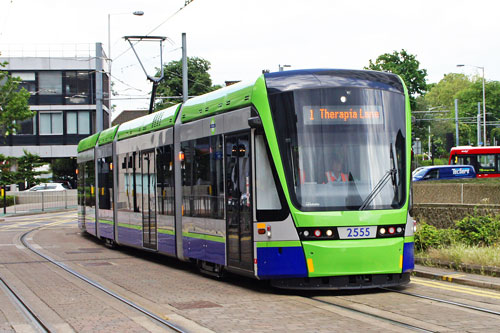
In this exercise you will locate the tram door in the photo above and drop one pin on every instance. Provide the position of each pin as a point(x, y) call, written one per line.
point(238, 203)
point(148, 200)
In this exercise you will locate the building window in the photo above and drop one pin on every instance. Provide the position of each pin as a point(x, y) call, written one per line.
point(50, 88)
point(28, 81)
point(51, 123)
point(27, 127)
point(78, 122)
point(77, 87)
point(50, 83)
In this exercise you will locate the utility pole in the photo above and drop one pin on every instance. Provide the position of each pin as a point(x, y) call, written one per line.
point(478, 123)
point(98, 86)
point(456, 121)
point(184, 70)
point(429, 144)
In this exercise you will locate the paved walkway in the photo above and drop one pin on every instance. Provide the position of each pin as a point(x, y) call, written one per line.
point(451, 275)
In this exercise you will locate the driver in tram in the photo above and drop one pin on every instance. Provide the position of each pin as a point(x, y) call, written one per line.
point(336, 173)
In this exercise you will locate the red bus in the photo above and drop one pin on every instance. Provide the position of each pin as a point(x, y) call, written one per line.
point(485, 160)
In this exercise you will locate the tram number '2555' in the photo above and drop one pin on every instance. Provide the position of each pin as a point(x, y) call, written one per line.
point(357, 232)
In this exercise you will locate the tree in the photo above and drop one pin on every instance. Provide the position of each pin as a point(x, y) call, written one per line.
point(13, 102)
point(7, 177)
point(63, 169)
point(468, 99)
point(407, 66)
point(27, 166)
point(199, 81)
point(442, 95)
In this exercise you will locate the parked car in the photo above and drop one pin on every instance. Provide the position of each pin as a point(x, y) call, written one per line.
point(438, 172)
point(47, 187)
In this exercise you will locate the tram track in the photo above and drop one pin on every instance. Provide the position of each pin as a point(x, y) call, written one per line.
point(390, 321)
point(458, 304)
point(149, 314)
point(399, 321)
point(35, 321)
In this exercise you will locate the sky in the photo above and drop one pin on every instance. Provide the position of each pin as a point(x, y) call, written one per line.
point(241, 38)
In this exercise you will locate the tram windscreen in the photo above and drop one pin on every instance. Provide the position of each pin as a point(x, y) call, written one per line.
point(342, 148)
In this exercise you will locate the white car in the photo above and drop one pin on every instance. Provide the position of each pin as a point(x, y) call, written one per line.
point(47, 187)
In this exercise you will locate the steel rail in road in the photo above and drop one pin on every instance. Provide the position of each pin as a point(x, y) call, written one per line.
point(462, 305)
point(98, 286)
point(25, 309)
point(389, 320)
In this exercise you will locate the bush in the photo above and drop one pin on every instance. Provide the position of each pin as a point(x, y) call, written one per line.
point(427, 236)
point(10, 201)
point(479, 230)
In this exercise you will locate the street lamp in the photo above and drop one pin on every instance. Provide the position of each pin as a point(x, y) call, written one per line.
point(281, 67)
point(136, 13)
point(484, 103)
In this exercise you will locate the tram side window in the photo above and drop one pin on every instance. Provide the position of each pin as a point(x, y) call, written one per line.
point(270, 199)
point(124, 201)
point(137, 181)
point(267, 195)
point(165, 181)
point(105, 174)
point(90, 189)
point(203, 177)
point(487, 163)
point(81, 184)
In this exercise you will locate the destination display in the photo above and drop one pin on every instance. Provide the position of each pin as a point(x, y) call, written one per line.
point(341, 114)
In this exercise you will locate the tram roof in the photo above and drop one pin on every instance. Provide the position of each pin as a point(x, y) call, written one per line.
point(161, 119)
point(239, 95)
point(222, 100)
point(88, 143)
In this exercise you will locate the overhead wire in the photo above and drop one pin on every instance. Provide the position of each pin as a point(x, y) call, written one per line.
point(186, 3)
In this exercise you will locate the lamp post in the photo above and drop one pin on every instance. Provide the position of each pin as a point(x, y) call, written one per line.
point(281, 67)
point(484, 103)
point(136, 13)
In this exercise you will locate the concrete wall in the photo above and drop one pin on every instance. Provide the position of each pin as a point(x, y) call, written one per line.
point(456, 194)
point(443, 204)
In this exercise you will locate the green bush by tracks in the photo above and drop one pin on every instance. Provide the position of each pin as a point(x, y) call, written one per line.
point(10, 201)
point(473, 230)
point(475, 240)
point(479, 230)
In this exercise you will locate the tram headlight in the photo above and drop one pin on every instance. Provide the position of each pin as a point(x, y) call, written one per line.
point(392, 230)
point(399, 230)
point(382, 231)
point(329, 233)
point(317, 233)
point(306, 233)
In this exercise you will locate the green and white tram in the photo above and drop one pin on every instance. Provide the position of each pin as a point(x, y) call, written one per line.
point(300, 177)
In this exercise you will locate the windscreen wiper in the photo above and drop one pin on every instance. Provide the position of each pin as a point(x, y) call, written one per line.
point(389, 174)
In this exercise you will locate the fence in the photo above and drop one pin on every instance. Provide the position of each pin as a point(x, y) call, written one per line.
point(26, 202)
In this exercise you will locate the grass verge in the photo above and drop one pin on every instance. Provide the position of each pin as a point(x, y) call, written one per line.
point(458, 256)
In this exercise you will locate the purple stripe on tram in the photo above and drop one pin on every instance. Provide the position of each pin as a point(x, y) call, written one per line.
point(130, 236)
point(166, 243)
point(204, 250)
point(106, 230)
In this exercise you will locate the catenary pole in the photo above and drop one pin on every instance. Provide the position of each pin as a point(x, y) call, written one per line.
point(184, 70)
point(98, 86)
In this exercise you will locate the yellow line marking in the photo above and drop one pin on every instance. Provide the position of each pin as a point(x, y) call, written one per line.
point(450, 278)
point(465, 290)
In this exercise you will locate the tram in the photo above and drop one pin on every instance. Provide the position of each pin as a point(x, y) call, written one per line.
point(299, 177)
